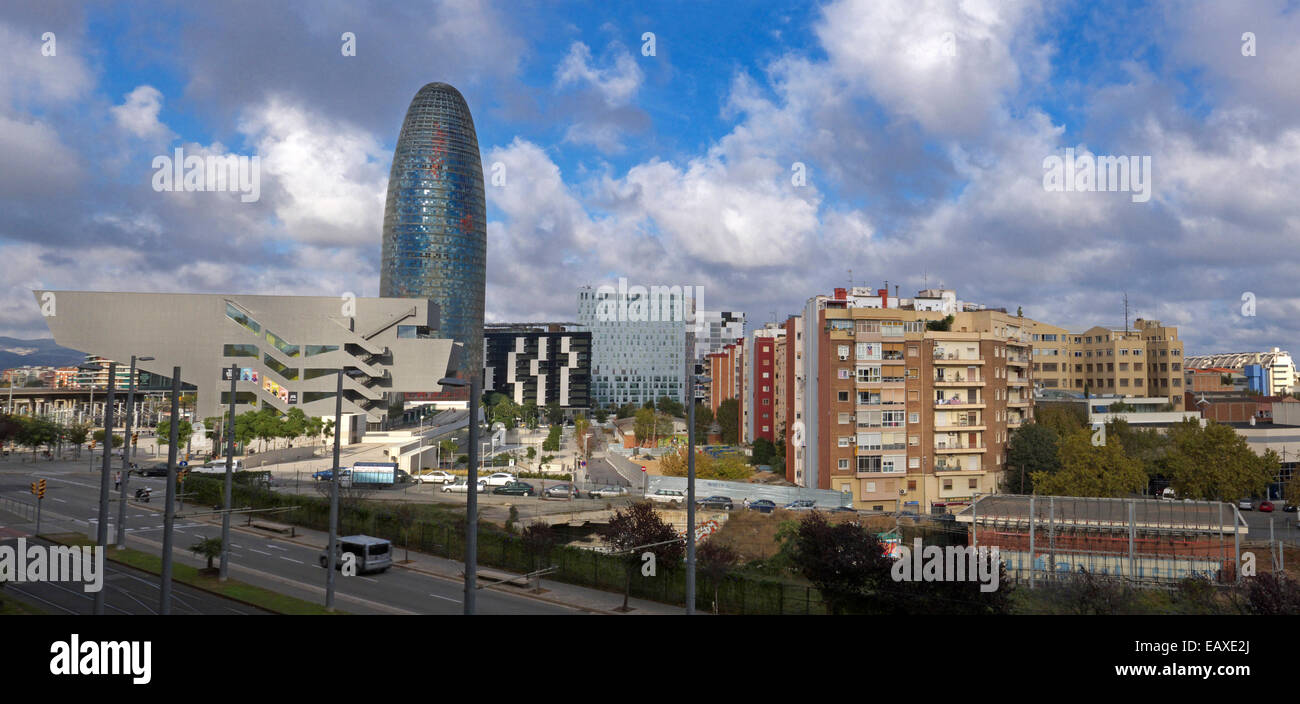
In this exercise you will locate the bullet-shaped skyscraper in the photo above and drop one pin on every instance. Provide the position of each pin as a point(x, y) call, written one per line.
point(435, 218)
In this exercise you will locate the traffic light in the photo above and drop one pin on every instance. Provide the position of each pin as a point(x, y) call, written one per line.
point(38, 488)
point(135, 438)
point(180, 475)
point(92, 444)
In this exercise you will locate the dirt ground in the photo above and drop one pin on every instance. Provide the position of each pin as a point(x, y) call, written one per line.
point(753, 534)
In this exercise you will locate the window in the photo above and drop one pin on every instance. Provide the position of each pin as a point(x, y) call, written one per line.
point(868, 350)
point(869, 441)
point(914, 418)
point(911, 485)
point(892, 419)
point(844, 353)
point(288, 349)
point(972, 483)
point(285, 371)
point(240, 317)
point(871, 487)
point(868, 464)
point(947, 484)
point(309, 350)
point(869, 374)
point(913, 462)
point(844, 442)
point(317, 373)
point(842, 395)
point(844, 373)
point(892, 463)
point(844, 418)
point(239, 350)
point(913, 439)
point(844, 464)
point(912, 351)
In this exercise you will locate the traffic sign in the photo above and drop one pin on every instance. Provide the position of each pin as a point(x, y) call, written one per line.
point(642, 468)
point(182, 464)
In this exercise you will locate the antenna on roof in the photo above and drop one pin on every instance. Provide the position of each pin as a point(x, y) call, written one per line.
point(1126, 313)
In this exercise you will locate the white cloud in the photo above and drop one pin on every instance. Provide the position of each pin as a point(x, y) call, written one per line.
point(617, 83)
point(138, 113)
point(331, 177)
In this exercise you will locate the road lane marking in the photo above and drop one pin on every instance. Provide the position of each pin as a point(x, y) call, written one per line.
point(276, 547)
point(259, 552)
point(439, 596)
point(290, 559)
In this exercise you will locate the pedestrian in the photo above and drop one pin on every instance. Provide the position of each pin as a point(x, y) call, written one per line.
point(117, 480)
point(746, 503)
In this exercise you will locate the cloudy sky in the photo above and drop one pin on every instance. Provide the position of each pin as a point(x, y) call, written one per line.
point(765, 152)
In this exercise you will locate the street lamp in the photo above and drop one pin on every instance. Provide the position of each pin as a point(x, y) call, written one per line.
point(690, 492)
point(126, 451)
point(471, 487)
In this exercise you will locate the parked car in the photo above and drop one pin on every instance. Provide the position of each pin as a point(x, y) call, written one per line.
point(844, 509)
point(762, 506)
point(1266, 506)
point(561, 491)
point(672, 497)
point(1289, 508)
point(515, 489)
point(327, 474)
point(801, 505)
point(606, 492)
point(460, 486)
point(722, 502)
point(435, 477)
point(1246, 505)
point(499, 479)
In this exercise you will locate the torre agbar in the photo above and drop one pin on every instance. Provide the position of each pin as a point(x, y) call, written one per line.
point(435, 221)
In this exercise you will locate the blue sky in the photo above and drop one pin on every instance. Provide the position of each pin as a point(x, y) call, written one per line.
point(921, 126)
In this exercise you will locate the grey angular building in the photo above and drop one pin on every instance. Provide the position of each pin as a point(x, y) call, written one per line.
point(435, 220)
point(288, 348)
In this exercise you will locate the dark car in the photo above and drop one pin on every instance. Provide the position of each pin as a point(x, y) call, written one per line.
point(801, 505)
point(515, 489)
point(153, 470)
point(1289, 508)
point(722, 502)
point(844, 509)
point(327, 474)
point(762, 506)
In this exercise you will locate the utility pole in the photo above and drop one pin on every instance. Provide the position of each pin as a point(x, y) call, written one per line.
point(169, 513)
point(102, 530)
point(126, 453)
point(224, 571)
point(332, 548)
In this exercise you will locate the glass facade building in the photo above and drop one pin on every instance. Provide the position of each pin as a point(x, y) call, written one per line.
point(435, 219)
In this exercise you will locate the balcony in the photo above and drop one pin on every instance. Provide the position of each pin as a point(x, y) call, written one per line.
point(1019, 360)
point(942, 356)
point(947, 378)
point(958, 402)
point(1018, 401)
point(945, 466)
point(944, 447)
point(1017, 380)
point(946, 426)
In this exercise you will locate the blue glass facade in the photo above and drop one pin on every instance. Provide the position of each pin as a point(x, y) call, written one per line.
point(435, 218)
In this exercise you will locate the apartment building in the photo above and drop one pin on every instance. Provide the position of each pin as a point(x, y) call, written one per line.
point(1145, 361)
point(900, 416)
point(761, 387)
point(539, 366)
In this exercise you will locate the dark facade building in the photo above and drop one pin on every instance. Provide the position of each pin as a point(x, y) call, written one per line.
point(540, 366)
point(435, 220)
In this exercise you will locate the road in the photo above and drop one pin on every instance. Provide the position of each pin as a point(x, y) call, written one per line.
point(280, 564)
point(126, 591)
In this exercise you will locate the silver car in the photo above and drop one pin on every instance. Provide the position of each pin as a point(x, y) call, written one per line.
point(462, 487)
point(607, 492)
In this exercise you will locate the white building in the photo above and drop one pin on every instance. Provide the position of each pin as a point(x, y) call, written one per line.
point(1278, 367)
point(639, 344)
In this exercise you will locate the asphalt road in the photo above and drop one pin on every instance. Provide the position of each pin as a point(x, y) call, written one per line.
point(288, 567)
point(127, 591)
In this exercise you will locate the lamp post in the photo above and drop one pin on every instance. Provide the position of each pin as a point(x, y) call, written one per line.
point(126, 451)
point(332, 549)
point(690, 493)
point(102, 529)
point(471, 489)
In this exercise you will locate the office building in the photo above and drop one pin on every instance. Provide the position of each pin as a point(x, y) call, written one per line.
point(287, 349)
point(435, 221)
point(541, 366)
point(639, 345)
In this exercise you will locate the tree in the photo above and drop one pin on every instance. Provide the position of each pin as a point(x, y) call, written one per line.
point(644, 427)
point(164, 430)
point(538, 540)
point(209, 548)
point(9, 428)
point(626, 410)
point(729, 467)
point(554, 414)
point(671, 406)
point(640, 529)
point(580, 427)
point(944, 325)
point(703, 419)
point(843, 561)
point(715, 561)
point(77, 434)
point(728, 418)
point(1215, 463)
point(98, 437)
point(762, 452)
point(530, 413)
point(34, 432)
point(1062, 419)
point(1091, 470)
point(1031, 448)
point(601, 415)
point(446, 449)
point(506, 412)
